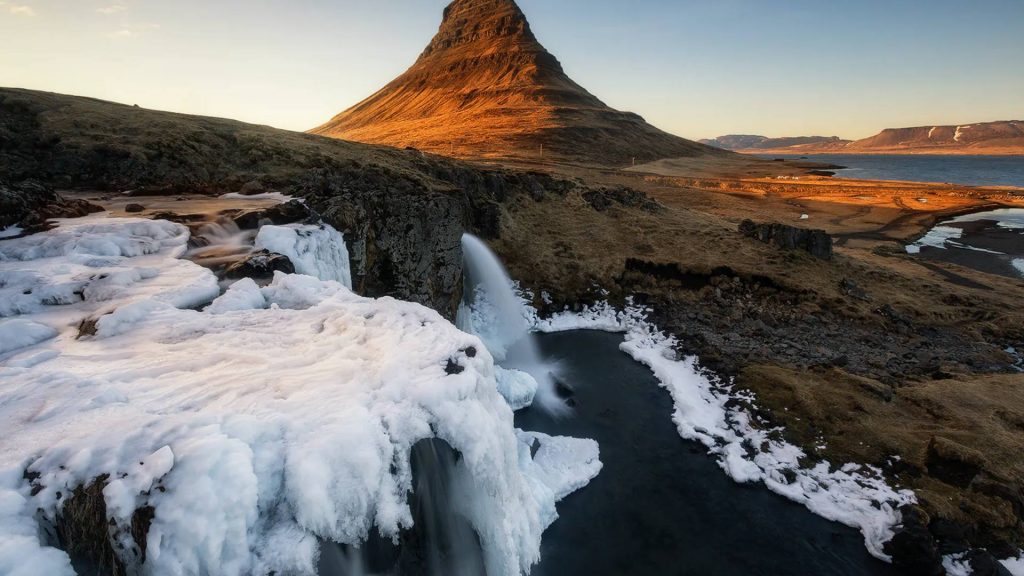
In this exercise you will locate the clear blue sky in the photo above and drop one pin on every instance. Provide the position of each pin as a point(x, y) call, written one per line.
point(695, 68)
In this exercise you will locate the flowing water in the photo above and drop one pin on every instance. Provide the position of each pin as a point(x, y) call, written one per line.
point(494, 312)
point(661, 505)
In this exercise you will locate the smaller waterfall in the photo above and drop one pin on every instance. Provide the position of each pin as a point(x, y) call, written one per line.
point(493, 311)
point(219, 243)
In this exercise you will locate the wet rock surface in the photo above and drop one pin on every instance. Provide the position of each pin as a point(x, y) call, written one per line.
point(259, 266)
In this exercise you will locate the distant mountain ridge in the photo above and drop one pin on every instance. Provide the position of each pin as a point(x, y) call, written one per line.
point(754, 142)
point(486, 87)
point(1004, 137)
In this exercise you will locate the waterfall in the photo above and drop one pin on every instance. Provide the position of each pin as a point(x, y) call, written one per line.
point(442, 541)
point(492, 310)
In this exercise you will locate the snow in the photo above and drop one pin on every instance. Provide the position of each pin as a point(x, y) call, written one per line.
point(1014, 565)
point(711, 412)
point(956, 565)
point(315, 250)
point(517, 387)
point(255, 427)
point(959, 133)
point(19, 333)
point(560, 467)
point(932, 131)
point(10, 231)
point(936, 238)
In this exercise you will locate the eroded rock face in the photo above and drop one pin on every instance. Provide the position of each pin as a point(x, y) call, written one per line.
point(401, 244)
point(286, 213)
point(815, 242)
point(29, 204)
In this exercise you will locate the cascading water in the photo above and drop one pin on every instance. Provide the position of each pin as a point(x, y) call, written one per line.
point(220, 242)
point(442, 541)
point(492, 310)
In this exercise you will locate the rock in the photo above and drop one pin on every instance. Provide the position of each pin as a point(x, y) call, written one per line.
point(815, 242)
point(30, 204)
point(953, 463)
point(851, 289)
point(284, 213)
point(983, 563)
point(603, 199)
point(913, 548)
point(260, 265)
point(132, 208)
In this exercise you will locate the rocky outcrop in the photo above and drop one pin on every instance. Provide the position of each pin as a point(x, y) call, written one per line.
point(260, 265)
point(815, 242)
point(29, 204)
point(284, 213)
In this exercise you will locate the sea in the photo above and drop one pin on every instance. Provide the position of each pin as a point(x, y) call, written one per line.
point(969, 170)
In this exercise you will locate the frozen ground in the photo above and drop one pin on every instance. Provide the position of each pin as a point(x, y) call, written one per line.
point(253, 425)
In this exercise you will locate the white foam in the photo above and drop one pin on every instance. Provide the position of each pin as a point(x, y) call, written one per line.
point(10, 231)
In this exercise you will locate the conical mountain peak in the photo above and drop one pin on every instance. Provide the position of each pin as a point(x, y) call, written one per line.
point(486, 87)
point(482, 22)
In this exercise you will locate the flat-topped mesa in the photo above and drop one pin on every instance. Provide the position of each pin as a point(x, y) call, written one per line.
point(485, 87)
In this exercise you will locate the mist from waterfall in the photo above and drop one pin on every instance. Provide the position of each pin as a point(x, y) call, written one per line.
point(492, 310)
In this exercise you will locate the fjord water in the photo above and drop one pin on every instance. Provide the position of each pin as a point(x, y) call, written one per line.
point(661, 505)
point(969, 170)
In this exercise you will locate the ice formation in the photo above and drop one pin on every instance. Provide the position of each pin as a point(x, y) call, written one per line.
point(315, 250)
point(255, 423)
point(705, 411)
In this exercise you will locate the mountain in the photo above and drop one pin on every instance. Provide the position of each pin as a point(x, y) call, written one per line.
point(1003, 138)
point(485, 87)
point(757, 143)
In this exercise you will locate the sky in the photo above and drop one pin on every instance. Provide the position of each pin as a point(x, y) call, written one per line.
point(697, 68)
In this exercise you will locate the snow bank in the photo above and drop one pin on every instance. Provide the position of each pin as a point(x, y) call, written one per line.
point(1014, 565)
point(272, 419)
point(315, 250)
point(517, 387)
point(706, 411)
point(19, 333)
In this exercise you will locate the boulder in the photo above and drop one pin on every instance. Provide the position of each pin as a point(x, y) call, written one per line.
point(30, 204)
point(133, 208)
point(259, 266)
point(815, 242)
point(284, 213)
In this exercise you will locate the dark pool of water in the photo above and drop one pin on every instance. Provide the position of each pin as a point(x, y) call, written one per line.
point(661, 505)
point(970, 170)
point(991, 241)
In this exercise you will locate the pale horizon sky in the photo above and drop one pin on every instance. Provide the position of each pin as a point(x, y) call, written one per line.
point(695, 68)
